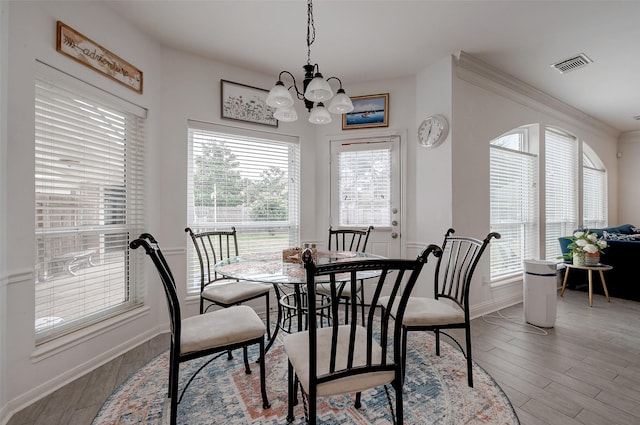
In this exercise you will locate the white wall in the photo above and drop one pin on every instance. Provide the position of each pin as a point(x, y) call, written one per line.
point(629, 178)
point(32, 371)
point(4, 32)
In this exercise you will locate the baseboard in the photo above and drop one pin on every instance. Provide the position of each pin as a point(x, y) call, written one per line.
point(507, 296)
point(25, 400)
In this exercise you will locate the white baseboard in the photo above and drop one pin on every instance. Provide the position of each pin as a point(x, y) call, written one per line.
point(24, 400)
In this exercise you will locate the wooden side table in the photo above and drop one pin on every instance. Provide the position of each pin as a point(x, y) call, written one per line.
point(598, 267)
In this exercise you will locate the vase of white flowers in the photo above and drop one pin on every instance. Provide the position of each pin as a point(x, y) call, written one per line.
point(585, 248)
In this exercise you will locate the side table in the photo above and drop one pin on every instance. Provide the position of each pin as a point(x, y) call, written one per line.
point(598, 267)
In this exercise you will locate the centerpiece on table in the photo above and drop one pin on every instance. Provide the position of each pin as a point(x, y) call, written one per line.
point(586, 247)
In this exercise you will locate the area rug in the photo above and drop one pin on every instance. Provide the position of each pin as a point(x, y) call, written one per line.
point(435, 392)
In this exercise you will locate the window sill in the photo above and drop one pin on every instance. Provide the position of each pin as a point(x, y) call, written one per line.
point(63, 343)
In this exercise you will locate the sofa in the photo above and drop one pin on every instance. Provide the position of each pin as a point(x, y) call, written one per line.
point(622, 253)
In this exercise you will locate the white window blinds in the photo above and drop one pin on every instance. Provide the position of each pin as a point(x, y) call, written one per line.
point(364, 185)
point(89, 203)
point(514, 206)
point(561, 192)
point(594, 194)
point(247, 179)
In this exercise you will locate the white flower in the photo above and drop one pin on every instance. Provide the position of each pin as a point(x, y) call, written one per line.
point(578, 234)
point(592, 237)
point(602, 243)
point(581, 242)
point(591, 248)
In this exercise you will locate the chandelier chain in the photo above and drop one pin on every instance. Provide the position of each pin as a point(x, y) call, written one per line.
point(311, 30)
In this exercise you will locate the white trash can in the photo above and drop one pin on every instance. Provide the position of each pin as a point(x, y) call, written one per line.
point(540, 292)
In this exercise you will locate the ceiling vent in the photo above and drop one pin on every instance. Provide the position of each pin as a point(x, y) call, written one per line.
point(573, 63)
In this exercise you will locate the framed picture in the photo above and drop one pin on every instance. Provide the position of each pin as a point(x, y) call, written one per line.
point(71, 43)
point(245, 103)
point(368, 111)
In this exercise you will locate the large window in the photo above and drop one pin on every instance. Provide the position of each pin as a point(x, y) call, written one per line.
point(89, 203)
point(514, 196)
point(514, 203)
point(246, 179)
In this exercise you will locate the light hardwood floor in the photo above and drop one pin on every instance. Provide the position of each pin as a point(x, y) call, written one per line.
point(586, 370)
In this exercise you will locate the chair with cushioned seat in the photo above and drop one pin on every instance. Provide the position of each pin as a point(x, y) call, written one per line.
point(212, 247)
point(205, 334)
point(449, 309)
point(348, 239)
point(351, 358)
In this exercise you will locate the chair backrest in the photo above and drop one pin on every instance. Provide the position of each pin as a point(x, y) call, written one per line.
point(454, 270)
point(565, 241)
point(344, 239)
point(212, 247)
point(150, 245)
point(395, 277)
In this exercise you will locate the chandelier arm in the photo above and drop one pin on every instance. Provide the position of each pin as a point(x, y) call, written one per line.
point(299, 95)
point(335, 78)
point(311, 30)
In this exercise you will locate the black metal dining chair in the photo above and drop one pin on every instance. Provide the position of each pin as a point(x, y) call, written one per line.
point(449, 309)
point(204, 334)
point(348, 239)
point(352, 358)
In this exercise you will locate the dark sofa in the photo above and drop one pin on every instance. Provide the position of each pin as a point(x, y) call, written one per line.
point(623, 254)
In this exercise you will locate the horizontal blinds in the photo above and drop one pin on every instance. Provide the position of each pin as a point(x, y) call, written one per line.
point(514, 209)
point(89, 189)
point(365, 187)
point(561, 189)
point(246, 180)
point(594, 197)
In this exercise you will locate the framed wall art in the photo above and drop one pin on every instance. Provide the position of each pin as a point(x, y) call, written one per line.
point(368, 111)
point(245, 103)
point(71, 43)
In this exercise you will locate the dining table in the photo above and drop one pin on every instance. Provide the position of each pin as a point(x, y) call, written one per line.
point(271, 268)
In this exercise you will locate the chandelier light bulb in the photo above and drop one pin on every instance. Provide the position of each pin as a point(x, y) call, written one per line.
point(318, 89)
point(279, 96)
point(288, 114)
point(319, 115)
point(341, 103)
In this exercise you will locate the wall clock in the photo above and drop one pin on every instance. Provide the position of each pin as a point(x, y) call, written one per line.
point(432, 131)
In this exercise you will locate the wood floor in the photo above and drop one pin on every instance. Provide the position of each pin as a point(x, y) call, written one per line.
point(586, 370)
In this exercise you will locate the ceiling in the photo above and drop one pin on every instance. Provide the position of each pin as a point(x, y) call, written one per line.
point(373, 40)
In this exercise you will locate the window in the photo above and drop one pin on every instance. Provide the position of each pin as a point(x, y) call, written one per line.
point(514, 205)
point(515, 211)
point(247, 179)
point(594, 192)
point(561, 179)
point(364, 186)
point(89, 202)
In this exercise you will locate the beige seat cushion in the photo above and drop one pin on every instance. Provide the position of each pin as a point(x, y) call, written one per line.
point(429, 311)
point(229, 291)
point(296, 346)
point(221, 327)
point(325, 289)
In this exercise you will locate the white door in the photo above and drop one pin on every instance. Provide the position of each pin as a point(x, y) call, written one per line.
point(365, 190)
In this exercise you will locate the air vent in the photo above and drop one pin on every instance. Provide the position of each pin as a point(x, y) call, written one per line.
point(572, 64)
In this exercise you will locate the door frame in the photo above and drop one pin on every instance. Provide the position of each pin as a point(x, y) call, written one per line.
point(369, 134)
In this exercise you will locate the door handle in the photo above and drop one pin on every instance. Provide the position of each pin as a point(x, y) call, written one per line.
point(394, 235)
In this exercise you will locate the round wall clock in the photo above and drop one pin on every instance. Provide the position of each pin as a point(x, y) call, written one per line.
point(432, 131)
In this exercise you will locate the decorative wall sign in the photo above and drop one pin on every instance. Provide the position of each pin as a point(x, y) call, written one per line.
point(245, 103)
point(368, 111)
point(71, 43)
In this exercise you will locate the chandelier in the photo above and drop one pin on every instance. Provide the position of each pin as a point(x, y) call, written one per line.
point(315, 89)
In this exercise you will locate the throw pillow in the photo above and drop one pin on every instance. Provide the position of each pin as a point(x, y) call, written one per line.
point(635, 229)
point(620, 236)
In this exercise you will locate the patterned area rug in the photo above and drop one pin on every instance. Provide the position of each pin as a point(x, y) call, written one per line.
point(436, 392)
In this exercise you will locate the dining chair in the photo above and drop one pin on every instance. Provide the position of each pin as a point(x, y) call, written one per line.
point(449, 308)
point(204, 334)
point(212, 247)
point(348, 239)
point(351, 358)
